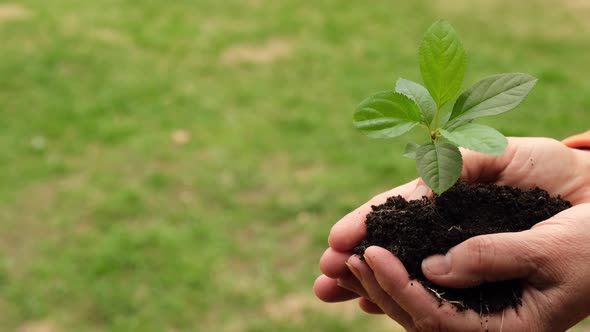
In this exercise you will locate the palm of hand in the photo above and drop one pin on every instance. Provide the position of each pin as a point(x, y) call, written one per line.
point(550, 280)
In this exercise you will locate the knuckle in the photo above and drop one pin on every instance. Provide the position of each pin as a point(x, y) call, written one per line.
point(479, 249)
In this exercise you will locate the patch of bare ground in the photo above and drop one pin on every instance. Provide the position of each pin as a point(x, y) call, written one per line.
point(293, 307)
point(110, 36)
point(263, 53)
point(578, 4)
point(20, 237)
point(281, 163)
point(461, 6)
point(581, 10)
point(255, 196)
point(35, 223)
point(285, 172)
point(13, 12)
point(565, 19)
point(38, 326)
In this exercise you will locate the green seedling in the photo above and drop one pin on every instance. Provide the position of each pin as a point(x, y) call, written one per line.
point(393, 113)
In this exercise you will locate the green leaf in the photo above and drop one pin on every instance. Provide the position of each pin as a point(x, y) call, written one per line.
point(493, 95)
point(420, 96)
point(386, 114)
point(410, 150)
point(439, 165)
point(452, 125)
point(442, 62)
point(478, 138)
point(443, 117)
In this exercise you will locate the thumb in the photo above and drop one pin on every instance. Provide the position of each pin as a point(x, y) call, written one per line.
point(484, 258)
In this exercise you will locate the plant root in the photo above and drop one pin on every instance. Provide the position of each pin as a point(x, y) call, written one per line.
point(441, 299)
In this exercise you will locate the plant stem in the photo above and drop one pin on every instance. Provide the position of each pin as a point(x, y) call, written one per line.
point(436, 118)
point(434, 132)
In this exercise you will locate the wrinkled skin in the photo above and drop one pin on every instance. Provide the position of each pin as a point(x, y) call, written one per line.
point(553, 258)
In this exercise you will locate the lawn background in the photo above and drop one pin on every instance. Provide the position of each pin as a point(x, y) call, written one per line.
point(177, 165)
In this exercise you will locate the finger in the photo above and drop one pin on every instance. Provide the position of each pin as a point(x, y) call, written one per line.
point(578, 141)
point(503, 256)
point(484, 258)
point(377, 294)
point(426, 312)
point(484, 168)
point(333, 262)
point(393, 279)
point(350, 230)
point(327, 290)
point(421, 190)
point(351, 283)
point(369, 307)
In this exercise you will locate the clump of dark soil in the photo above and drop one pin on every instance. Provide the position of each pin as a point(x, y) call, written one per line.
point(417, 229)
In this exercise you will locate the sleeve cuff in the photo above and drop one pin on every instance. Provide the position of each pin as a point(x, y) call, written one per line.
point(580, 141)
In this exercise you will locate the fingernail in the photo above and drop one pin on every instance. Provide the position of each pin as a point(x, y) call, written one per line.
point(354, 271)
point(368, 259)
point(437, 265)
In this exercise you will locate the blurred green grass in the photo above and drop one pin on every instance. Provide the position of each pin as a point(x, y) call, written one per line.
point(176, 166)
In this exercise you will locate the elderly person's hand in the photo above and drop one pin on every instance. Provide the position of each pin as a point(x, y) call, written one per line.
point(552, 258)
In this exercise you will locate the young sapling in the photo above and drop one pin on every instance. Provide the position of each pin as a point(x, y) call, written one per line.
point(414, 230)
point(392, 113)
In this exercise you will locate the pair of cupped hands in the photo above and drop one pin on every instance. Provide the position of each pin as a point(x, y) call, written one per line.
point(552, 258)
